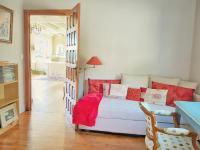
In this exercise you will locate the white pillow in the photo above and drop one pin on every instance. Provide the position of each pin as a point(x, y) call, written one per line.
point(118, 90)
point(135, 81)
point(155, 96)
point(164, 80)
point(187, 84)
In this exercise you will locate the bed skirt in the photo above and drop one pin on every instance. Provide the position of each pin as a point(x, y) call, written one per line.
point(122, 126)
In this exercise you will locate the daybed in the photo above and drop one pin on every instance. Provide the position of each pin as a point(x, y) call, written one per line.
point(125, 116)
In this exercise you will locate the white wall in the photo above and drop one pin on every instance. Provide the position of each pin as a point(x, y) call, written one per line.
point(13, 52)
point(195, 65)
point(139, 36)
point(132, 36)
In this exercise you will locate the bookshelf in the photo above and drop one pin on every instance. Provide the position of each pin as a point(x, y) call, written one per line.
point(9, 94)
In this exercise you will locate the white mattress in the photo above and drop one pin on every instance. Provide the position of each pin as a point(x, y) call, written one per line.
point(125, 116)
point(112, 108)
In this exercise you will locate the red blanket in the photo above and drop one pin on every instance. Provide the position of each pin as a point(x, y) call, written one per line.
point(86, 110)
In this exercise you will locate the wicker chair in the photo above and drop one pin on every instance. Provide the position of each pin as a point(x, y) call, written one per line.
point(166, 138)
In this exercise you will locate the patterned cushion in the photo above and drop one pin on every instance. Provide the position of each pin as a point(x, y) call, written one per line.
point(171, 142)
point(177, 131)
point(155, 96)
point(171, 91)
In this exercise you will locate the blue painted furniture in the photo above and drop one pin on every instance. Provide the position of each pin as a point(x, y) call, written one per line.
point(190, 111)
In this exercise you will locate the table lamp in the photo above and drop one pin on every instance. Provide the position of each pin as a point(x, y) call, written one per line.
point(94, 61)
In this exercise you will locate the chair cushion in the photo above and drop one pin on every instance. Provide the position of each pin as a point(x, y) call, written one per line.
point(163, 112)
point(169, 142)
point(177, 131)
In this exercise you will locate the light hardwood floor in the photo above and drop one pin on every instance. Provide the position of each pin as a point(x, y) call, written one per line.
point(49, 129)
point(47, 96)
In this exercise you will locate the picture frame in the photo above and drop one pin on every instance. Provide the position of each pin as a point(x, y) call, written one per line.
point(8, 115)
point(6, 24)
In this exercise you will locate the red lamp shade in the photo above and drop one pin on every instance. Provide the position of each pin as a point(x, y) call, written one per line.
point(94, 61)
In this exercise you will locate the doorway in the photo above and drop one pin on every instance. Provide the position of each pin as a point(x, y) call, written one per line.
point(40, 69)
point(48, 70)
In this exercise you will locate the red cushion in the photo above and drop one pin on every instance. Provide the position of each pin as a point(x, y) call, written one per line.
point(133, 94)
point(96, 86)
point(184, 94)
point(175, 93)
point(171, 94)
point(143, 91)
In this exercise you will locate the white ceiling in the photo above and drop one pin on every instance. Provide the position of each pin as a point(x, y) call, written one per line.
point(50, 24)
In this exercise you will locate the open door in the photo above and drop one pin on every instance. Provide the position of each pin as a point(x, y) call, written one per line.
point(72, 53)
point(72, 59)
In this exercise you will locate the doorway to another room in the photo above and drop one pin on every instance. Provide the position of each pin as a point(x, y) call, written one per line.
point(48, 67)
point(51, 61)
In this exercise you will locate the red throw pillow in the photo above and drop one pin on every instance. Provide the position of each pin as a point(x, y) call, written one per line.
point(171, 94)
point(184, 94)
point(143, 91)
point(96, 86)
point(133, 94)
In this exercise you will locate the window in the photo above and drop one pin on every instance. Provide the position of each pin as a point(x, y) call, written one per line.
point(60, 51)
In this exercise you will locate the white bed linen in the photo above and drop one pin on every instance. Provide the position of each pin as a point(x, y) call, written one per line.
point(112, 108)
point(125, 116)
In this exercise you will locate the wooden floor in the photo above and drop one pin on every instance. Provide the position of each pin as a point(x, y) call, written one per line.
point(47, 96)
point(50, 130)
